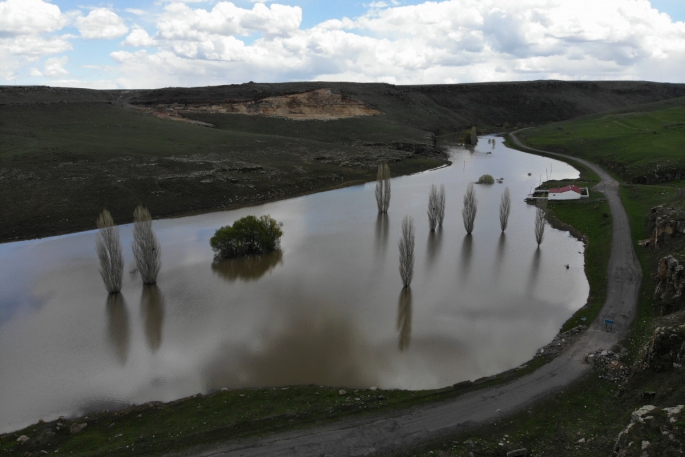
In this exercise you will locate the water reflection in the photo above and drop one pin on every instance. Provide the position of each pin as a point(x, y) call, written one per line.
point(433, 247)
point(534, 271)
point(118, 327)
point(152, 309)
point(315, 344)
point(382, 229)
point(248, 268)
point(404, 310)
point(466, 254)
point(499, 255)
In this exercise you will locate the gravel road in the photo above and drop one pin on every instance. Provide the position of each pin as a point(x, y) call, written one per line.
point(405, 429)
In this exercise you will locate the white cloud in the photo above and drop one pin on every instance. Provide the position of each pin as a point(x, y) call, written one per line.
point(136, 11)
point(139, 38)
point(101, 23)
point(29, 17)
point(54, 67)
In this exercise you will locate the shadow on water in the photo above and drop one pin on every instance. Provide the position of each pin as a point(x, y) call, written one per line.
point(382, 230)
point(433, 248)
point(534, 272)
point(499, 256)
point(466, 255)
point(248, 268)
point(118, 326)
point(152, 309)
point(314, 345)
point(404, 310)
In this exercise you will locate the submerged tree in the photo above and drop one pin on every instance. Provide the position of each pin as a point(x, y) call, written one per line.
point(247, 236)
point(470, 208)
point(146, 249)
point(108, 247)
point(540, 211)
point(441, 205)
point(504, 209)
point(474, 136)
point(383, 188)
point(433, 208)
point(407, 251)
point(436, 206)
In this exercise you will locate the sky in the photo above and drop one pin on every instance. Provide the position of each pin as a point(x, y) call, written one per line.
point(130, 44)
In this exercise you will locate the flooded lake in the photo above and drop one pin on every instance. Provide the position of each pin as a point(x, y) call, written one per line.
point(328, 309)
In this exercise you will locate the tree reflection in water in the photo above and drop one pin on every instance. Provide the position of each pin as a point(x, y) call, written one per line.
point(433, 247)
point(152, 309)
point(382, 229)
point(499, 257)
point(534, 271)
point(248, 268)
point(404, 318)
point(118, 326)
point(466, 254)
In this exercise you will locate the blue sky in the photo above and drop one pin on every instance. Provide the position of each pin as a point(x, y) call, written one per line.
point(127, 44)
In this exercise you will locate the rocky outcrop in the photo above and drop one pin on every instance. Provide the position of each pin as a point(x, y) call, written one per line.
point(666, 349)
point(321, 104)
point(663, 223)
point(652, 432)
point(671, 277)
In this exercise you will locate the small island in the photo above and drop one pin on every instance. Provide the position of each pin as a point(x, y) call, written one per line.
point(247, 236)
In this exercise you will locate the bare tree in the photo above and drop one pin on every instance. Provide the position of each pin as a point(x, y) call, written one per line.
point(504, 209)
point(540, 211)
point(474, 136)
point(383, 188)
point(109, 252)
point(441, 204)
point(470, 208)
point(407, 251)
point(146, 249)
point(433, 208)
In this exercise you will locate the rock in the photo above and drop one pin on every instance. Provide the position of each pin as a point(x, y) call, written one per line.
point(645, 445)
point(666, 348)
point(342, 392)
point(77, 428)
point(639, 413)
point(523, 452)
point(581, 441)
point(22, 439)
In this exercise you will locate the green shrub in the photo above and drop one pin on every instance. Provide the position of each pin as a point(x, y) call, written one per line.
point(247, 236)
point(486, 179)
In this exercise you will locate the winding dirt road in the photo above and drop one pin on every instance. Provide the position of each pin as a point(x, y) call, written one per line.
point(408, 428)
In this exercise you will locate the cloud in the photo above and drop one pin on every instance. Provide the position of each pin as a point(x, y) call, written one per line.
point(139, 38)
point(101, 23)
point(29, 17)
point(433, 42)
point(54, 67)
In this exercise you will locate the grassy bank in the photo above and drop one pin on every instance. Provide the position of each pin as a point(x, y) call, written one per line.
point(641, 144)
point(204, 421)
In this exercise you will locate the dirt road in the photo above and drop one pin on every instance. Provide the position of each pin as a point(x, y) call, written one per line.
point(408, 428)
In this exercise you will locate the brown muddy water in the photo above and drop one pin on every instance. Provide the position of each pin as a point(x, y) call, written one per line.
point(328, 309)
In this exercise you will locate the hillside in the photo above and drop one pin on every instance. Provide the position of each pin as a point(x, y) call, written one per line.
point(67, 153)
point(642, 144)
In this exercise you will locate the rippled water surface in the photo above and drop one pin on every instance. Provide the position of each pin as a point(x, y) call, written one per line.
point(329, 309)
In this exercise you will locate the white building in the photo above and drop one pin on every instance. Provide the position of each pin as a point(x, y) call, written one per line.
point(568, 193)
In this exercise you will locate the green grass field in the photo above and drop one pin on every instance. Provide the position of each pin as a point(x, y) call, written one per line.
point(644, 144)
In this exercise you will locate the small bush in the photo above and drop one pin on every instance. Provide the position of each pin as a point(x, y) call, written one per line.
point(486, 179)
point(247, 236)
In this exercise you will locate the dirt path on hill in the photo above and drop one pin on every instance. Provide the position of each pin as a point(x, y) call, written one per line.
point(404, 429)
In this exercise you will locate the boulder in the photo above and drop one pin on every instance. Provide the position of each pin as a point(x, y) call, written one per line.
point(666, 349)
point(22, 439)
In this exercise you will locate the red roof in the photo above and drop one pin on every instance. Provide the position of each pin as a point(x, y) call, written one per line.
point(561, 190)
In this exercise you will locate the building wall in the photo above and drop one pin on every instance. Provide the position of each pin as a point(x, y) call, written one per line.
point(570, 195)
